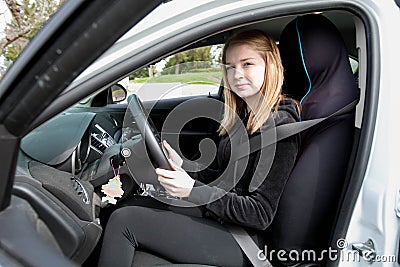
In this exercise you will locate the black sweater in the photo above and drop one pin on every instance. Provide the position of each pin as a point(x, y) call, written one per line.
point(239, 203)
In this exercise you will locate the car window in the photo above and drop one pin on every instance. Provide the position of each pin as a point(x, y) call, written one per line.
point(353, 64)
point(192, 72)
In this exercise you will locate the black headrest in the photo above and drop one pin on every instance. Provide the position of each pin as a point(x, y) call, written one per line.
point(317, 67)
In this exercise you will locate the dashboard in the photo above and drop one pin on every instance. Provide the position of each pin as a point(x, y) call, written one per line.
point(100, 139)
point(60, 167)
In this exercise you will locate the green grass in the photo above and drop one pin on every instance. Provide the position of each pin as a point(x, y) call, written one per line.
point(140, 80)
point(188, 78)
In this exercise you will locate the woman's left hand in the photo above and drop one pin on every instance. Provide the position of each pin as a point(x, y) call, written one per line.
point(177, 182)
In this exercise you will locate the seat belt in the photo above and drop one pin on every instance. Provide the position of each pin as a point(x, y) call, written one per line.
point(248, 246)
point(283, 131)
point(246, 243)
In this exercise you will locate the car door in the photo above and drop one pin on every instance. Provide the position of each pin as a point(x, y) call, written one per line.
point(373, 225)
point(41, 73)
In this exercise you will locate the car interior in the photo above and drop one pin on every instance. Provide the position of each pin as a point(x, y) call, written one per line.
point(63, 163)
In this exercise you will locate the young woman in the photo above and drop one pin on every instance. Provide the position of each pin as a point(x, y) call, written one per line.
point(253, 76)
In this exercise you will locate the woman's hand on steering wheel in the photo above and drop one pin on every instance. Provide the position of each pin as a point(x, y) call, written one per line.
point(172, 154)
point(177, 182)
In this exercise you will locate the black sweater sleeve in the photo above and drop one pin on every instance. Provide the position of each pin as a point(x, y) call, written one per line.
point(200, 173)
point(255, 209)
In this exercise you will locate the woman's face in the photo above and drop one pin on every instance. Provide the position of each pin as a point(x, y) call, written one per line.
point(245, 70)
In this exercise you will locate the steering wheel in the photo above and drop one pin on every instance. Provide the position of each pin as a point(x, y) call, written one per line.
point(156, 152)
point(150, 135)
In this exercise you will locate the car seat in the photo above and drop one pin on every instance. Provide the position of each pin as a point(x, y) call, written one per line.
point(318, 74)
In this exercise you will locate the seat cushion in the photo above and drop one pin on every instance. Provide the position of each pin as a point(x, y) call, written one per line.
point(143, 259)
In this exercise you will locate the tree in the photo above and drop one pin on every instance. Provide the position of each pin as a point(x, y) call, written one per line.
point(193, 55)
point(216, 53)
point(143, 73)
point(27, 17)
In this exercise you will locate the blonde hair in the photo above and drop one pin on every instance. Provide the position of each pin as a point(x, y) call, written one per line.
point(271, 89)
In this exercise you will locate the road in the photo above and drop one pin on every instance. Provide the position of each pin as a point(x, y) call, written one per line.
point(153, 91)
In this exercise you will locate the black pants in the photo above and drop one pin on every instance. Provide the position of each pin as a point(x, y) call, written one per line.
point(176, 237)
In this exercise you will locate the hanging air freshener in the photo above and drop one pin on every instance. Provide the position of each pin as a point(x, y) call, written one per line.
point(113, 188)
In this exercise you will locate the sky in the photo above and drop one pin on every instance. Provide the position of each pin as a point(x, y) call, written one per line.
point(4, 16)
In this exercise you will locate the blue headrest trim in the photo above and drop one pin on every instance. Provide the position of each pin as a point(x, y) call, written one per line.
point(304, 63)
